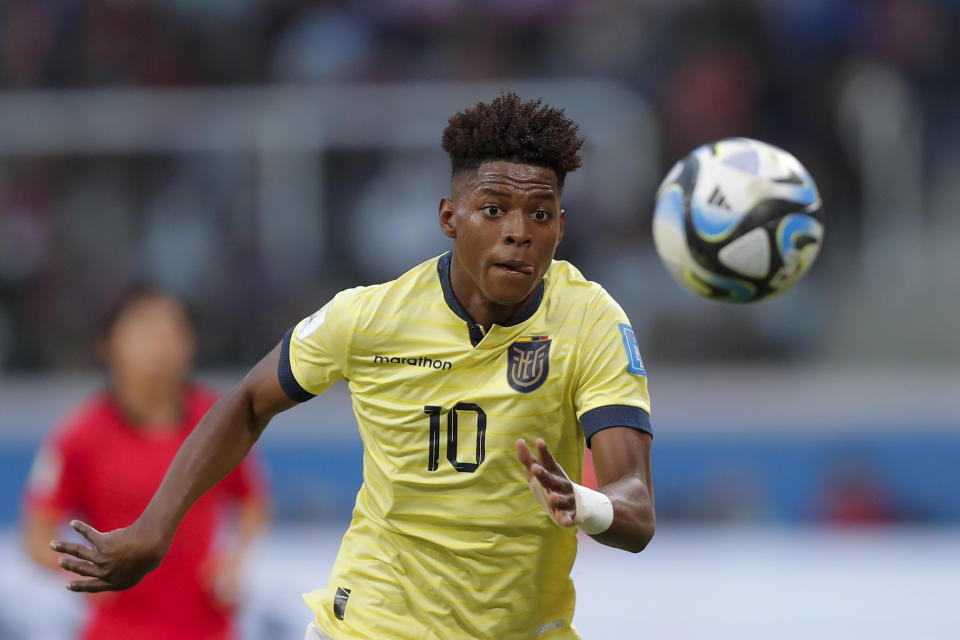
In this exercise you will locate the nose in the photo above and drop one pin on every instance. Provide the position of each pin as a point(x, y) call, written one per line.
point(515, 229)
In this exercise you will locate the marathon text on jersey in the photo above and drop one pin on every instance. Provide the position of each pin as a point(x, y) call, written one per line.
point(414, 361)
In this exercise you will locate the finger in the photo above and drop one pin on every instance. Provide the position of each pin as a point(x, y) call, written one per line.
point(562, 509)
point(80, 567)
point(562, 502)
point(86, 531)
point(91, 586)
point(81, 551)
point(552, 481)
point(524, 455)
point(564, 518)
point(546, 458)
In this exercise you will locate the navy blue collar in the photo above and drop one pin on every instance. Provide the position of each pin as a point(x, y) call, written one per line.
point(525, 313)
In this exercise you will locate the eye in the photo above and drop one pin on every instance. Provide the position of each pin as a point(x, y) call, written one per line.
point(541, 215)
point(492, 210)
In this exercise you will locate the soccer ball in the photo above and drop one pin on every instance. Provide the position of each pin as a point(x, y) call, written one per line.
point(738, 220)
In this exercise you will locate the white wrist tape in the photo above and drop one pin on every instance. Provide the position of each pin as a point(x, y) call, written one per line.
point(594, 511)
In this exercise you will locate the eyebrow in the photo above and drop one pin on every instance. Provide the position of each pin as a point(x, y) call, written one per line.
point(542, 196)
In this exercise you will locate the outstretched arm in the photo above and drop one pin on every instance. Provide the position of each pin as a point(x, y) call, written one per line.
point(621, 457)
point(120, 559)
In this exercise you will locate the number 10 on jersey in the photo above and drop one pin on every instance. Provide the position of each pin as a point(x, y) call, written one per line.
point(434, 452)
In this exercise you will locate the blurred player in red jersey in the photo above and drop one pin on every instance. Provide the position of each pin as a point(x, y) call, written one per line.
point(107, 458)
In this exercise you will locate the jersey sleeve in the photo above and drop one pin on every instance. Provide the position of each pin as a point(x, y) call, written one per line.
point(49, 486)
point(611, 388)
point(314, 352)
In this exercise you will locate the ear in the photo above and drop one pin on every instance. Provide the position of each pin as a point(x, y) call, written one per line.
point(448, 219)
point(563, 215)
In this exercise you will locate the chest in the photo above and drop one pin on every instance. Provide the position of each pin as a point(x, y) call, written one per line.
point(446, 405)
point(122, 474)
point(518, 369)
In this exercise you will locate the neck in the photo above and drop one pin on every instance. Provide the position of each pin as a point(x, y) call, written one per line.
point(148, 405)
point(485, 312)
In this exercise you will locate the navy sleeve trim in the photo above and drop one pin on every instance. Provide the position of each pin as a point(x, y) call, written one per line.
point(614, 415)
point(287, 380)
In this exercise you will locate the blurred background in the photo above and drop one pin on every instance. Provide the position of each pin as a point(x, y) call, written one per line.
point(256, 157)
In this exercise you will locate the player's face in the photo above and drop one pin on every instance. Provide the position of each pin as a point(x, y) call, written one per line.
point(506, 222)
point(151, 342)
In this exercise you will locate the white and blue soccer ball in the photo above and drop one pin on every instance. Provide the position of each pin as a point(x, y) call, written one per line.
point(738, 220)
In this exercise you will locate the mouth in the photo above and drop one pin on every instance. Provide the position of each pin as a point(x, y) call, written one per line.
point(517, 267)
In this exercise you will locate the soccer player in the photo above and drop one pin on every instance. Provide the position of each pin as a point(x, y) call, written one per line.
point(108, 457)
point(461, 529)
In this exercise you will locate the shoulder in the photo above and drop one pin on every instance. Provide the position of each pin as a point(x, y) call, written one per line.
point(566, 283)
point(420, 281)
point(419, 278)
point(364, 310)
point(86, 423)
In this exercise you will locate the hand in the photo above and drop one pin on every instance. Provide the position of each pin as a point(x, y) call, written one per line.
point(117, 560)
point(222, 574)
point(549, 483)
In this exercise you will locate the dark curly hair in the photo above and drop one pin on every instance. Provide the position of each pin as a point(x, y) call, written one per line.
point(511, 129)
point(130, 295)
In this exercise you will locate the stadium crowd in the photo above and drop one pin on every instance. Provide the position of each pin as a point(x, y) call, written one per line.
point(75, 228)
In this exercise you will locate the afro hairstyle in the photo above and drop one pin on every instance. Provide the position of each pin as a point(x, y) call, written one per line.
point(514, 130)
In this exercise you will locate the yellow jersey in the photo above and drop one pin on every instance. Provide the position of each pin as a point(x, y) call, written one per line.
point(446, 540)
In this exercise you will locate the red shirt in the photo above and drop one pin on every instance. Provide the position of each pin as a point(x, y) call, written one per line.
point(99, 467)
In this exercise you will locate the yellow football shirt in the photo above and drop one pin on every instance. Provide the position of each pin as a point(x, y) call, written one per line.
point(446, 541)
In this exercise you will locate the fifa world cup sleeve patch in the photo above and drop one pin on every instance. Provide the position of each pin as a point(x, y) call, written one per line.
point(313, 323)
point(634, 361)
